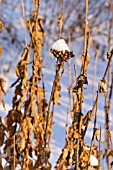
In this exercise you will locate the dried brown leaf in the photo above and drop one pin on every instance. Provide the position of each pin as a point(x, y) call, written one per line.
point(2, 81)
point(13, 116)
point(0, 50)
point(60, 22)
point(25, 55)
point(102, 87)
point(9, 147)
point(1, 136)
point(1, 25)
point(22, 141)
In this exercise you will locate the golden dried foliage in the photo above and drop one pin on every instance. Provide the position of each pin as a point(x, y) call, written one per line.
point(27, 128)
point(2, 91)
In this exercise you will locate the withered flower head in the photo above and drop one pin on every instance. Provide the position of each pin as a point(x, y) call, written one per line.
point(61, 50)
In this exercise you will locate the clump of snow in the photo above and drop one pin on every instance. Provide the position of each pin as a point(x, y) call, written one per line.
point(60, 45)
point(93, 161)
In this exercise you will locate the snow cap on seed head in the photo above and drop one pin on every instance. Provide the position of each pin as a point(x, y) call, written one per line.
point(60, 45)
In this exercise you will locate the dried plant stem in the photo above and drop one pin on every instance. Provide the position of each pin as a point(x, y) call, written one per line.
point(91, 113)
point(100, 147)
point(110, 93)
point(67, 128)
point(86, 41)
point(69, 76)
point(61, 20)
point(110, 31)
point(23, 14)
point(96, 100)
point(107, 113)
point(107, 100)
point(39, 1)
point(52, 116)
point(52, 92)
point(75, 74)
point(86, 24)
point(108, 65)
point(14, 152)
point(94, 130)
point(94, 76)
point(51, 98)
point(77, 159)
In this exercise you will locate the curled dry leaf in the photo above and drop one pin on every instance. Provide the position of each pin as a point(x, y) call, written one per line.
point(57, 89)
point(1, 25)
point(2, 81)
point(2, 90)
point(102, 88)
point(9, 148)
point(11, 130)
point(40, 91)
point(97, 131)
point(1, 135)
point(12, 117)
point(21, 142)
point(81, 80)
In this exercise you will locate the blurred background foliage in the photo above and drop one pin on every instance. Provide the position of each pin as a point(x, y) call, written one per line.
point(12, 36)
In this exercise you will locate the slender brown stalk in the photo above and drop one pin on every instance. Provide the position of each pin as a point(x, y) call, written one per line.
point(52, 116)
point(51, 99)
point(67, 128)
point(107, 99)
point(109, 56)
point(86, 40)
point(69, 84)
point(107, 120)
point(14, 152)
point(94, 76)
point(100, 147)
point(86, 27)
point(61, 20)
point(94, 130)
point(23, 15)
point(96, 100)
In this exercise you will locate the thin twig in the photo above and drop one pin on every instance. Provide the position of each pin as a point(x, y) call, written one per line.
point(61, 20)
point(66, 128)
point(96, 100)
point(14, 152)
point(69, 76)
point(51, 97)
point(107, 110)
point(94, 76)
point(108, 65)
point(23, 15)
point(86, 24)
point(94, 130)
point(100, 147)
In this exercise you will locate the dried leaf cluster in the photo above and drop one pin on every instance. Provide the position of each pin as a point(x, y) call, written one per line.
point(27, 128)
